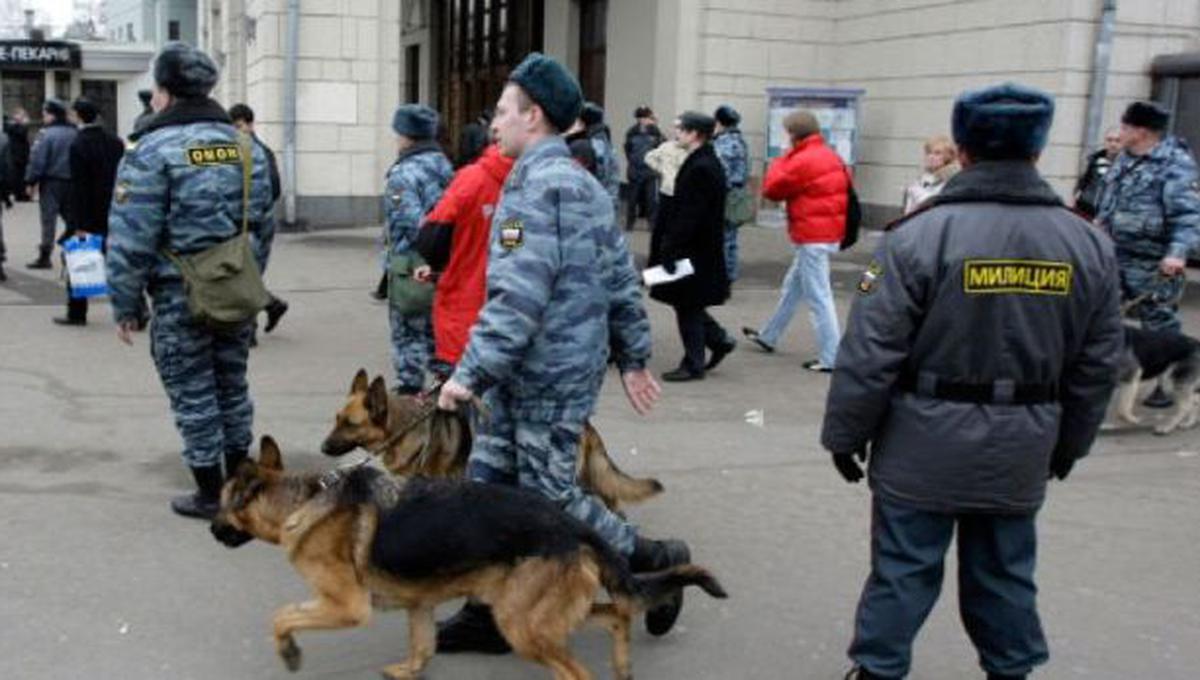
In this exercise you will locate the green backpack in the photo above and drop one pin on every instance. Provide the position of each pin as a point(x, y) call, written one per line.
point(223, 284)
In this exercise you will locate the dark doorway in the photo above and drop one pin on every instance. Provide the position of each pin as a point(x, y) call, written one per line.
point(593, 48)
point(103, 94)
point(412, 74)
point(477, 43)
point(26, 90)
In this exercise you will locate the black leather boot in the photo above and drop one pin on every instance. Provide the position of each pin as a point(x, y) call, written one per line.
point(649, 556)
point(42, 261)
point(275, 310)
point(997, 676)
point(3, 276)
point(206, 500)
point(472, 629)
point(860, 673)
point(232, 460)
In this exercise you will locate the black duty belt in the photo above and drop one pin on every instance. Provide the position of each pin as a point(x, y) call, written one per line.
point(994, 392)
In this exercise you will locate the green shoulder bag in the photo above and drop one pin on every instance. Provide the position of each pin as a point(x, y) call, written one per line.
point(223, 284)
point(407, 295)
point(739, 206)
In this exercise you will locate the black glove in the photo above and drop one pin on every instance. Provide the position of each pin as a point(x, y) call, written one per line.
point(1060, 465)
point(668, 265)
point(847, 467)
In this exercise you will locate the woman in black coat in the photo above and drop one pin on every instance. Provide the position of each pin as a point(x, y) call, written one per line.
point(691, 225)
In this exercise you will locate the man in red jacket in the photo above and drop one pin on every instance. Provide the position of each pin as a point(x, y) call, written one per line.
point(454, 242)
point(812, 180)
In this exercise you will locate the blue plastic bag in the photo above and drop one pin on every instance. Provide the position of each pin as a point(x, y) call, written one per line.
point(85, 266)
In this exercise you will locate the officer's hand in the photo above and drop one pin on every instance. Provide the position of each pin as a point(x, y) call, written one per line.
point(847, 467)
point(451, 393)
point(1060, 465)
point(126, 329)
point(1172, 266)
point(641, 389)
point(424, 273)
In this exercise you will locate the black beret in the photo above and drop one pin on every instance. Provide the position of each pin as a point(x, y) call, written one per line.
point(551, 86)
point(85, 109)
point(591, 114)
point(1149, 115)
point(727, 115)
point(416, 121)
point(643, 112)
point(184, 71)
point(54, 107)
point(1003, 121)
point(697, 122)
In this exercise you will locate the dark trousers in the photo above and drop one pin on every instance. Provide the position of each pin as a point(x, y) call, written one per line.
point(997, 595)
point(53, 197)
point(698, 330)
point(77, 308)
point(642, 200)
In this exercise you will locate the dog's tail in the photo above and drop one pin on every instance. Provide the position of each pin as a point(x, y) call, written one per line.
point(644, 591)
point(602, 476)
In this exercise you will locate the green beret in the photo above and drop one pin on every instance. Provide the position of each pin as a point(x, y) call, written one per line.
point(551, 86)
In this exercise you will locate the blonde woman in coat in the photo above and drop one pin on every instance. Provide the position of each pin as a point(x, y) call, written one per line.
point(939, 165)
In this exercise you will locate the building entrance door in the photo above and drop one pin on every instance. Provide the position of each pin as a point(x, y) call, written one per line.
point(477, 43)
point(593, 48)
point(103, 94)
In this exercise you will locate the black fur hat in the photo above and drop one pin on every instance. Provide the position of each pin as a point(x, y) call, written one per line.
point(416, 121)
point(1007, 121)
point(551, 86)
point(1149, 115)
point(55, 107)
point(185, 71)
point(85, 109)
point(727, 115)
point(591, 114)
point(643, 111)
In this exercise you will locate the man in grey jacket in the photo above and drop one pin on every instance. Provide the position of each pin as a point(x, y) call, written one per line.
point(50, 170)
point(980, 354)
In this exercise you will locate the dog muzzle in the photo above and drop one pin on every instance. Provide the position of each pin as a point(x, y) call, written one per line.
point(337, 447)
point(230, 535)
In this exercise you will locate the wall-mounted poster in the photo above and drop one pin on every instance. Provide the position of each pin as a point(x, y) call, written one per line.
point(836, 110)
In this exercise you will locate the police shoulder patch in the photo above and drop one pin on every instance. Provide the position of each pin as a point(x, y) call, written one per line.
point(1022, 277)
point(512, 234)
point(866, 284)
point(213, 154)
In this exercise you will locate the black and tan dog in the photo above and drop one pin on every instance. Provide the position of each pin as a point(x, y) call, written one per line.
point(1150, 354)
point(360, 535)
point(412, 438)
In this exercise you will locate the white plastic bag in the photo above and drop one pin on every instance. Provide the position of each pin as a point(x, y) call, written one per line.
point(85, 266)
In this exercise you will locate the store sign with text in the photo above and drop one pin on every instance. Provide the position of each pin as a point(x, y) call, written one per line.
point(39, 55)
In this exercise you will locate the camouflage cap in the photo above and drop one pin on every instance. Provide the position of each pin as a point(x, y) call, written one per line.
point(185, 71)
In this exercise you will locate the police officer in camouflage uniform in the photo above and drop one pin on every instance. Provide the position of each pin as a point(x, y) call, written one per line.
point(735, 159)
point(170, 195)
point(561, 287)
point(600, 136)
point(979, 358)
point(415, 182)
point(1151, 208)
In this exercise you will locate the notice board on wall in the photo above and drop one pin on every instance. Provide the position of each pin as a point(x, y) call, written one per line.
point(836, 111)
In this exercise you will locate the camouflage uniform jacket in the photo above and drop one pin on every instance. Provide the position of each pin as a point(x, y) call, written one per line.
point(731, 150)
point(1151, 204)
point(179, 187)
point(606, 159)
point(415, 182)
point(561, 286)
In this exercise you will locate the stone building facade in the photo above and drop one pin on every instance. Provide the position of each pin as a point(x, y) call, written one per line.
point(359, 58)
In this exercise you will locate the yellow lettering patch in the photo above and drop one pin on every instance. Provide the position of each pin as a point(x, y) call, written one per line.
point(214, 154)
point(1031, 277)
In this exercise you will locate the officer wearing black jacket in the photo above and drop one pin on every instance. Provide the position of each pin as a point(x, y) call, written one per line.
point(979, 357)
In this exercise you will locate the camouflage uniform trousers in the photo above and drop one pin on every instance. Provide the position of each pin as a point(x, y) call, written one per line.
point(1160, 310)
point(204, 374)
point(541, 457)
point(412, 348)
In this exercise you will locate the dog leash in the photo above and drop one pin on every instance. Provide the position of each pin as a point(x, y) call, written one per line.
point(1129, 305)
point(428, 397)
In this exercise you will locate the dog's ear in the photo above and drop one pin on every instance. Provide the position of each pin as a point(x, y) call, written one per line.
point(377, 402)
point(359, 385)
point(268, 454)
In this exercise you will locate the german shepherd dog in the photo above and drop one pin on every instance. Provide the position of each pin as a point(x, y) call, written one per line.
point(413, 438)
point(1150, 354)
point(359, 535)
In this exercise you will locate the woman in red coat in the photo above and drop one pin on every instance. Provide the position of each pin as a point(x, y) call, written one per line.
point(454, 241)
point(812, 180)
